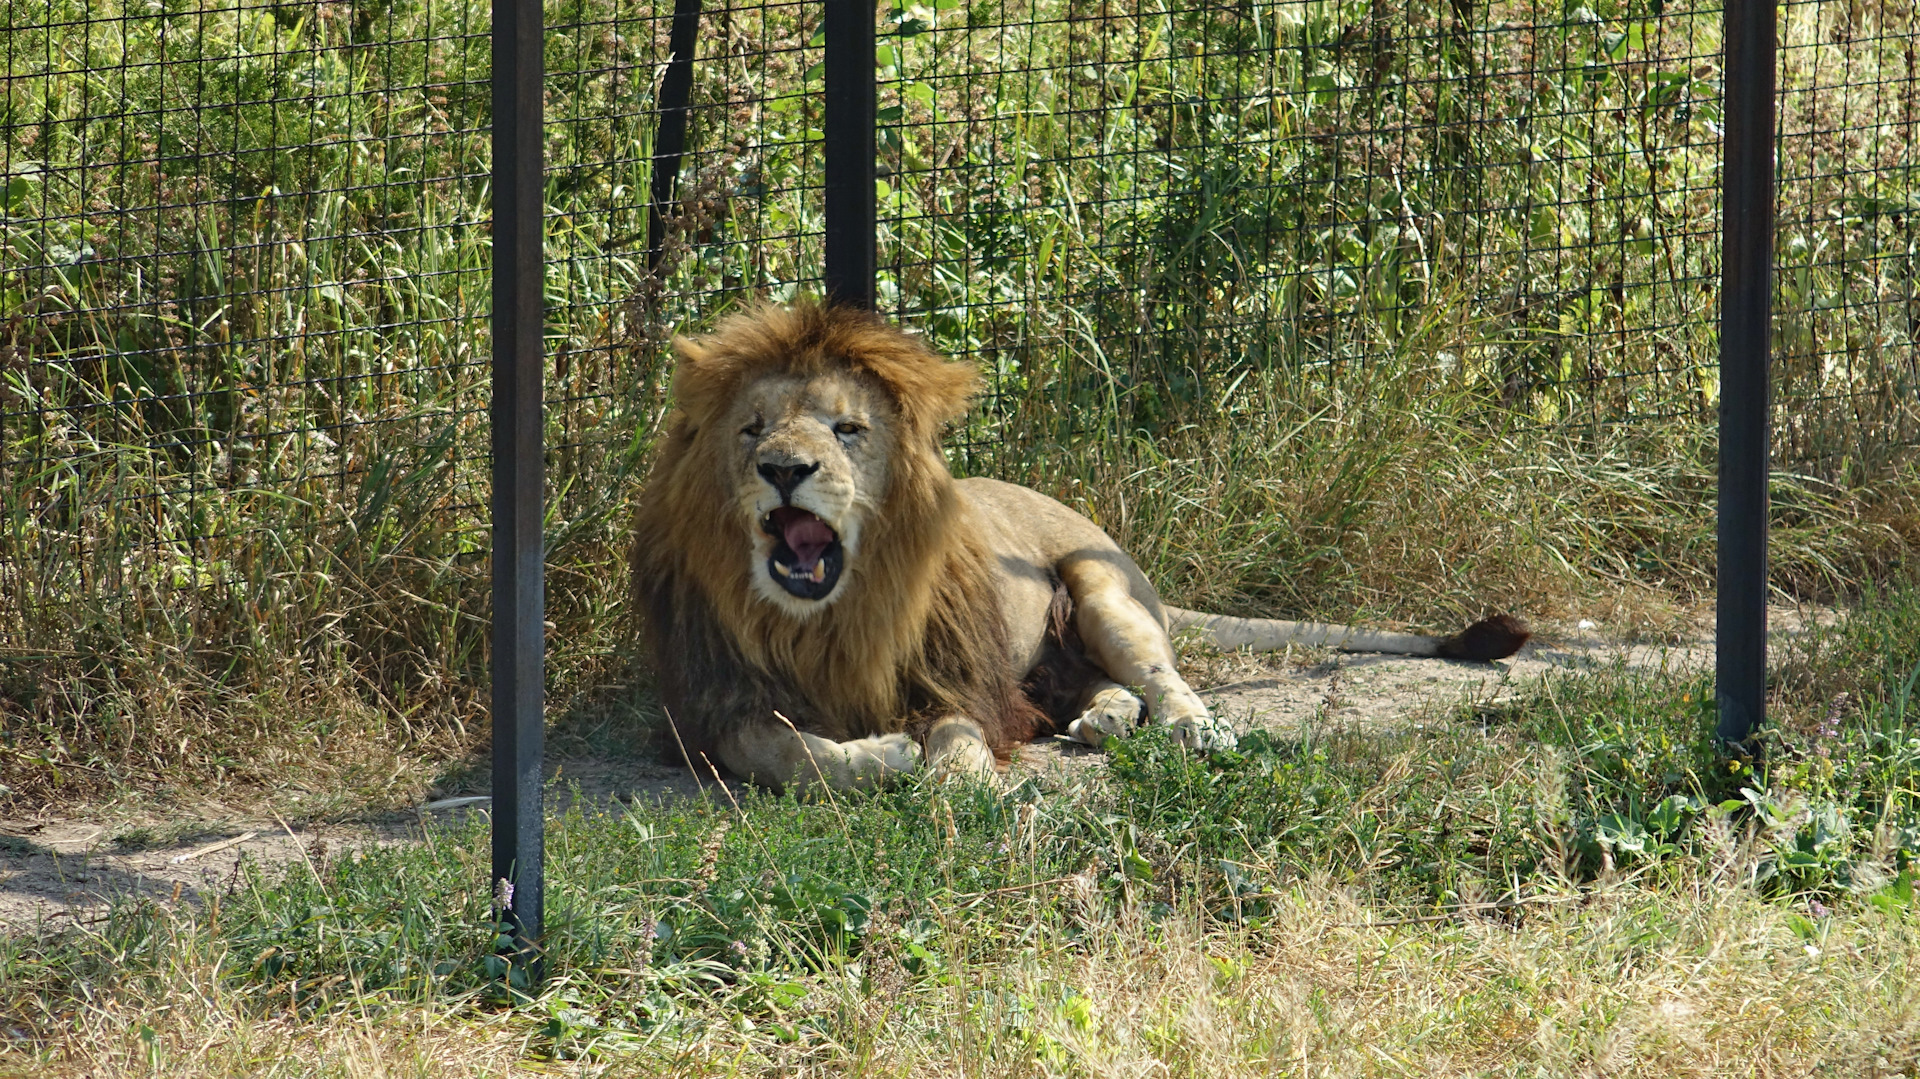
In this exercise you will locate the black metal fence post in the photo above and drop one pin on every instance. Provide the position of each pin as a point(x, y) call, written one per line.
point(851, 96)
point(519, 638)
point(1746, 309)
point(670, 135)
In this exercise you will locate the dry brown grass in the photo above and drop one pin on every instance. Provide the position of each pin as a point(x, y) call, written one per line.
point(139, 732)
point(1403, 506)
point(1692, 978)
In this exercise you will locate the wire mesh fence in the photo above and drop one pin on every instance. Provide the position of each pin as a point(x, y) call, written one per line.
point(1151, 201)
point(243, 289)
point(245, 259)
point(1847, 314)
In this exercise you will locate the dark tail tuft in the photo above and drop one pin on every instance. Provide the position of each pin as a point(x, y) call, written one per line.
point(1488, 639)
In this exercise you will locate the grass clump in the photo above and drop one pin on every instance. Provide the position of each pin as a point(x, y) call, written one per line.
point(1572, 880)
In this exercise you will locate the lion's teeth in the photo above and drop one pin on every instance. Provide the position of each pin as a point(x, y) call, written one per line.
point(819, 571)
point(784, 569)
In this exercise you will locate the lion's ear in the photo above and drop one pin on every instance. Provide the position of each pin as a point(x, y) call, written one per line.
point(689, 350)
point(954, 385)
point(936, 391)
point(700, 382)
point(929, 391)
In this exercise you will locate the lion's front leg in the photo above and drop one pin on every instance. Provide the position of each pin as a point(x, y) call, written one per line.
point(957, 746)
point(1130, 644)
point(776, 755)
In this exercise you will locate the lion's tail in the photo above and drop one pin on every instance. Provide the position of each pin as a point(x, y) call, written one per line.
point(1490, 638)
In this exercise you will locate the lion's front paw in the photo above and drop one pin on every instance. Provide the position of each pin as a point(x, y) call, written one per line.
point(1112, 713)
point(1203, 733)
point(956, 747)
point(896, 752)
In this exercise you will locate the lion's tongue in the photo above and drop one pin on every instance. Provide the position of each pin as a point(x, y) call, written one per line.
point(808, 537)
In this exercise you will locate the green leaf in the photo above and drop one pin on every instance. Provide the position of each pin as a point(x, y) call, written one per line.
point(1830, 826)
point(1896, 898)
point(1770, 812)
point(14, 195)
point(1237, 880)
point(1620, 832)
point(1801, 861)
point(1669, 815)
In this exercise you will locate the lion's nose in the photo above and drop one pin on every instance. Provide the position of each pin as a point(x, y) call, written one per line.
point(786, 477)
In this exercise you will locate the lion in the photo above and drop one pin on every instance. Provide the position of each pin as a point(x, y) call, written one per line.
point(826, 604)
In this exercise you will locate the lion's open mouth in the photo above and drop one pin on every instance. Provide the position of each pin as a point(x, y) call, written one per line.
point(806, 552)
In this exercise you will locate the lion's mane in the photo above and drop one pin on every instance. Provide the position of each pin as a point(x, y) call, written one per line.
point(919, 631)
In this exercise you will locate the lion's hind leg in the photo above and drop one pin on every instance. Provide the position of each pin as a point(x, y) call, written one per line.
point(1129, 643)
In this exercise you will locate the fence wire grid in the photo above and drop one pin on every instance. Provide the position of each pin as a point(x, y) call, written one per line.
point(244, 258)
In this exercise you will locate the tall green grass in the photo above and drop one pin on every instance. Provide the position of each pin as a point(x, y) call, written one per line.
point(1321, 307)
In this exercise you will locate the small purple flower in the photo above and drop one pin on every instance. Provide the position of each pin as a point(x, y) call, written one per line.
point(659, 930)
point(1818, 908)
point(739, 948)
point(503, 894)
point(1836, 711)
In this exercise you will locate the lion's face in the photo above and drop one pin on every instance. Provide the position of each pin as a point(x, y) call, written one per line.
point(810, 468)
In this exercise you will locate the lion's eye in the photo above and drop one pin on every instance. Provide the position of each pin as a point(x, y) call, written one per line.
point(848, 427)
point(753, 429)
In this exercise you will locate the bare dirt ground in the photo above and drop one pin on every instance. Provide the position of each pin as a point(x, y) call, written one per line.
point(57, 872)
